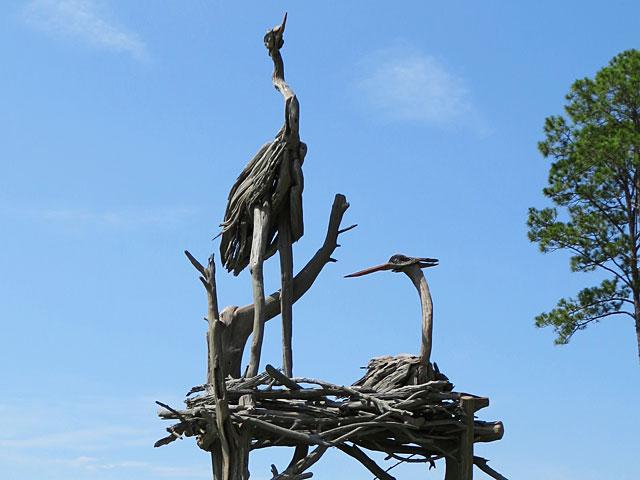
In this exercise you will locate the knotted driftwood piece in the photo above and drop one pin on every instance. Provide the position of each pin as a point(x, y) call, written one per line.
point(267, 199)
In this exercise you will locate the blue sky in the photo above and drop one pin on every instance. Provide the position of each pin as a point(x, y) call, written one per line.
point(124, 124)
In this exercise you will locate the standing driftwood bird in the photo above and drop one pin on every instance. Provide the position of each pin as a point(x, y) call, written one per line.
point(265, 201)
point(382, 369)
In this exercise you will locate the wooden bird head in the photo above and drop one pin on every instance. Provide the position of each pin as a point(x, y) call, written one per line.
point(273, 38)
point(397, 263)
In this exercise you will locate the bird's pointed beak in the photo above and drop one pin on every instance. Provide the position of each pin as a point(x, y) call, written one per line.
point(384, 266)
point(428, 262)
point(280, 28)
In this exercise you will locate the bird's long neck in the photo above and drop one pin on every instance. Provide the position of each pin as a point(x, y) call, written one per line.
point(292, 108)
point(278, 74)
point(415, 274)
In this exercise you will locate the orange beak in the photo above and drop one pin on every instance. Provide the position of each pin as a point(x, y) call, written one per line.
point(384, 266)
point(420, 262)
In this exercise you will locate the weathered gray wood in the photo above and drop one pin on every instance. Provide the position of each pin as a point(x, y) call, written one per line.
point(355, 452)
point(290, 217)
point(487, 431)
point(481, 463)
point(208, 279)
point(258, 246)
point(219, 448)
point(308, 439)
point(239, 320)
point(397, 408)
point(414, 272)
point(272, 178)
point(296, 470)
point(225, 428)
point(286, 292)
point(300, 453)
point(427, 421)
point(282, 378)
point(465, 453)
point(212, 316)
point(452, 469)
point(412, 267)
point(245, 435)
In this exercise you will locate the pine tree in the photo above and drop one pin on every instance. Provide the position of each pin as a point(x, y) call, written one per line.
point(594, 184)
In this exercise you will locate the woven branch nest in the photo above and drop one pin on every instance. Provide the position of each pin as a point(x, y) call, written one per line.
point(423, 420)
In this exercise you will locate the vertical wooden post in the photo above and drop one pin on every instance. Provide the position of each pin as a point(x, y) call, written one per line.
point(466, 439)
point(229, 451)
point(212, 315)
point(461, 468)
point(225, 432)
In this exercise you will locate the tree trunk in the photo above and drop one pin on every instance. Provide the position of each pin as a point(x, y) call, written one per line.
point(637, 319)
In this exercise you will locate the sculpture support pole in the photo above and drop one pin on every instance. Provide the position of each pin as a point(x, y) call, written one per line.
point(258, 247)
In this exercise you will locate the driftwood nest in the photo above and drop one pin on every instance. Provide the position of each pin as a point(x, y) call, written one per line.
point(409, 423)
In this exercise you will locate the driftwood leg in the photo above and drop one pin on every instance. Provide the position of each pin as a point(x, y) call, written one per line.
point(286, 292)
point(258, 247)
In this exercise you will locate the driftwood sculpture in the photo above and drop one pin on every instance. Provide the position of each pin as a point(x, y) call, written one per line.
point(267, 199)
point(403, 406)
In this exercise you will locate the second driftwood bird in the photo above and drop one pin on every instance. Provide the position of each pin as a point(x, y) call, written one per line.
point(412, 267)
point(264, 211)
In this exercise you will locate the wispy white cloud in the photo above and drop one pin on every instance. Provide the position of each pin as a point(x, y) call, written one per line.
point(83, 467)
point(405, 84)
point(123, 218)
point(89, 439)
point(83, 20)
point(92, 464)
point(82, 436)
